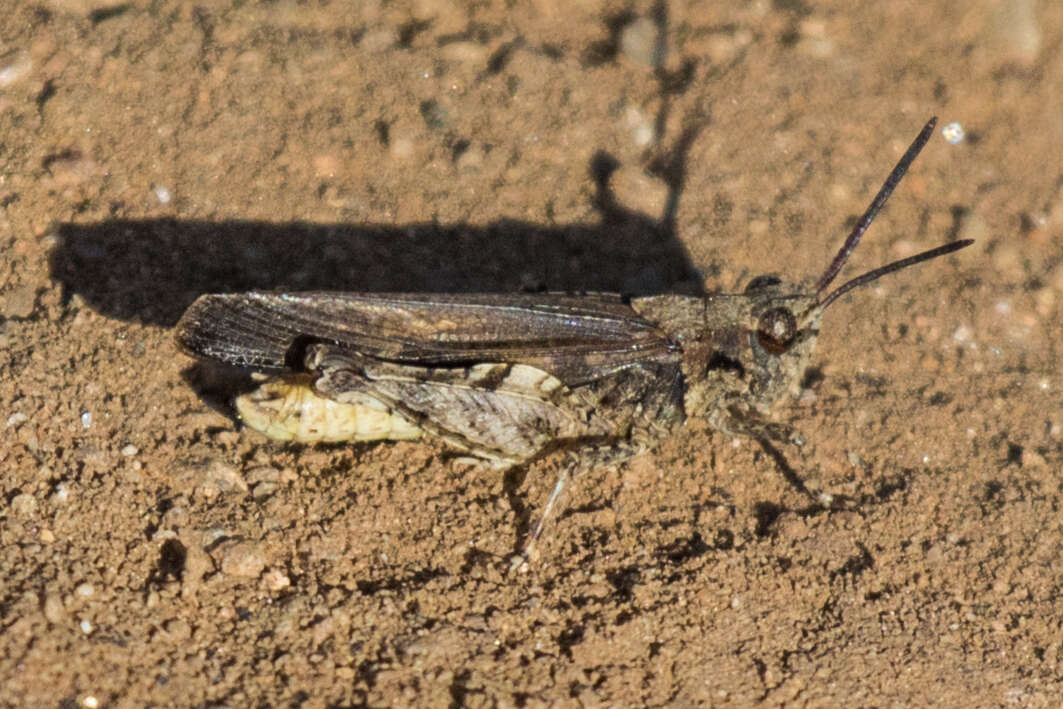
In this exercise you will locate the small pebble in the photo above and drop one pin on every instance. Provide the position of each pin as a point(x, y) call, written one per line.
point(162, 194)
point(24, 505)
point(130, 450)
point(262, 473)
point(276, 580)
point(244, 559)
point(62, 494)
point(401, 144)
point(221, 477)
point(17, 418)
point(86, 419)
point(20, 302)
point(86, 626)
point(640, 125)
point(85, 590)
point(814, 40)
point(13, 67)
point(178, 629)
point(90, 702)
point(53, 609)
point(638, 41)
point(465, 52)
point(953, 133)
point(263, 490)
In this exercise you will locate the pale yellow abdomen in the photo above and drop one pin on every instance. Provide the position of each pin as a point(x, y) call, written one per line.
point(288, 409)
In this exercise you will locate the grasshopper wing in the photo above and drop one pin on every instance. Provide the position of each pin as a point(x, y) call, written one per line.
point(576, 339)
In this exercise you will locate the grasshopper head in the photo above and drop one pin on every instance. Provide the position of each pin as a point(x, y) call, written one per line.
point(777, 336)
point(776, 324)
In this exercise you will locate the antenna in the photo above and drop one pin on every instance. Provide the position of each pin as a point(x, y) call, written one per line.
point(876, 204)
point(869, 216)
point(891, 267)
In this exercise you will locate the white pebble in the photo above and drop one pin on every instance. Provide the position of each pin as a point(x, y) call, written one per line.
point(16, 418)
point(86, 419)
point(62, 493)
point(130, 450)
point(16, 66)
point(639, 41)
point(85, 590)
point(640, 125)
point(90, 702)
point(954, 133)
point(162, 194)
point(86, 627)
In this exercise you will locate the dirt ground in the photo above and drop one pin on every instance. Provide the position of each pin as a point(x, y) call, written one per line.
point(153, 553)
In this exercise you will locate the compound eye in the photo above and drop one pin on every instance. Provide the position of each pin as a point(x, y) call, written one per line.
point(776, 330)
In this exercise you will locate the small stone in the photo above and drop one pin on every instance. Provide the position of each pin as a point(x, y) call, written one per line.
point(262, 474)
point(401, 141)
point(46, 536)
point(85, 590)
point(954, 133)
point(24, 505)
point(640, 125)
point(178, 629)
point(244, 559)
point(221, 477)
point(54, 610)
point(130, 450)
point(14, 66)
point(86, 626)
point(465, 52)
point(814, 40)
point(276, 580)
point(639, 41)
point(20, 302)
point(17, 418)
point(263, 490)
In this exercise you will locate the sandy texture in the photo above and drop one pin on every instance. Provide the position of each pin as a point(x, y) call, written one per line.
point(153, 553)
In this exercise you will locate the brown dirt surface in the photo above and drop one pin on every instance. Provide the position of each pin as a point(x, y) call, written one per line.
point(153, 553)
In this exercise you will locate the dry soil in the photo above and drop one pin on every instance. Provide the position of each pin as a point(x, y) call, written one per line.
point(153, 553)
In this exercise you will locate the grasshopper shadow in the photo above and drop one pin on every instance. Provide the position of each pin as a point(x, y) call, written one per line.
point(150, 270)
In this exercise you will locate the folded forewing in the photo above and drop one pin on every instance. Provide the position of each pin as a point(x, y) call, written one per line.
point(574, 338)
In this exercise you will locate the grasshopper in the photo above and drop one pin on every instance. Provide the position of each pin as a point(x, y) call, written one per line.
point(509, 378)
